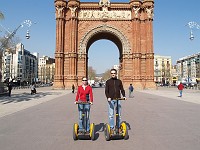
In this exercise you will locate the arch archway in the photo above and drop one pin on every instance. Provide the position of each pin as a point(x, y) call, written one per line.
point(102, 56)
point(128, 25)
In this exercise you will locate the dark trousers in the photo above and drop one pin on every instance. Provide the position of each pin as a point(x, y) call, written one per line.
point(9, 92)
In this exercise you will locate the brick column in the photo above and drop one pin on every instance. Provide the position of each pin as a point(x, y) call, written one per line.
point(148, 7)
point(59, 53)
point(136, 43)
point(71, 77)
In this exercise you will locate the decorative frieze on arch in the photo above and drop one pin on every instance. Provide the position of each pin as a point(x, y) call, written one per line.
point(126, 49)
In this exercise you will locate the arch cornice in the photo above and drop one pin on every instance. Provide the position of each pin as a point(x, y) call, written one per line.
point(126, 48)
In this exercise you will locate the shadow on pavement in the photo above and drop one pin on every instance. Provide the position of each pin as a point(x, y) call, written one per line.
point(99, 127)
point(128, 125)
point(25, 97)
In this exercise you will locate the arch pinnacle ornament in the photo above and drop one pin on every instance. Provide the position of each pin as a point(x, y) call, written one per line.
point(104, 3)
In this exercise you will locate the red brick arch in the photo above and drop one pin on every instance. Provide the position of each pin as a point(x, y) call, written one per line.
point(128, 25)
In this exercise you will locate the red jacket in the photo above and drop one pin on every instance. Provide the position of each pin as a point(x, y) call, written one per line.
point(180, 86)
point(83, 95)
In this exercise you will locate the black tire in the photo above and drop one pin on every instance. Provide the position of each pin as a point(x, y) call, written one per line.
point(75, 131)
point(126, 137)
point(107, 133)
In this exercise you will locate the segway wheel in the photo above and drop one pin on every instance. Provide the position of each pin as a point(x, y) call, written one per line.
point(92, 131)
point(107, 132)
point(75, 132)
point(124, 130)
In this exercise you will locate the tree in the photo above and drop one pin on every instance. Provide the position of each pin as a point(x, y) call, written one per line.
point(1, 15)
point(106, 75)
point(1, 84)
point(8, 42)
point(91, 73)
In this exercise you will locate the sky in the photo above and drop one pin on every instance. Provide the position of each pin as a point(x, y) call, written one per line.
point(171, 33)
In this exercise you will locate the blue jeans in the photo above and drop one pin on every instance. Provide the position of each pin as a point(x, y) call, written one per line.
point(112, 105)
point(130, 93)
point(180, 91)
point(84, 108)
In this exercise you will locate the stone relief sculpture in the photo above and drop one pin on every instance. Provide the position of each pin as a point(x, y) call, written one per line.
point(59, 10)
point(136, 10)
point(150, 12)
point(94, 14)
point(73, 11)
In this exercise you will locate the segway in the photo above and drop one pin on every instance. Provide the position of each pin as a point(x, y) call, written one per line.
point(83, 134)
point(120, 130)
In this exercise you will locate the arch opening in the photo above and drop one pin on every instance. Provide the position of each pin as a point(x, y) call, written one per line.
point(103, 55)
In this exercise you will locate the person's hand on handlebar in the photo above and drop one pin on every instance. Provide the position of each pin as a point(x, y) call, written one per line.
point(91, 103)
point(75, 102)
point(125, 98)
point(109, 99)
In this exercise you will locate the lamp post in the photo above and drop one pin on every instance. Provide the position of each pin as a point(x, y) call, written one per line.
point(192, 25)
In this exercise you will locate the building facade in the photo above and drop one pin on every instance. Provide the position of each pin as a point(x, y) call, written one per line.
point(162, 69)
point(19, 65)
point(188, 68)
point(46, 69)
point(127, 24)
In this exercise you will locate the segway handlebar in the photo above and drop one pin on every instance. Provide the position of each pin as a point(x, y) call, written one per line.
point(81, 102)
point(123, 98)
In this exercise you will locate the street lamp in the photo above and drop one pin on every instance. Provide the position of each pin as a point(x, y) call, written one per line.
point(192, 25)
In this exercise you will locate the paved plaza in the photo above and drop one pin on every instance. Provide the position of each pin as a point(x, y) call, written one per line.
point(156, 119)
point(21, 99)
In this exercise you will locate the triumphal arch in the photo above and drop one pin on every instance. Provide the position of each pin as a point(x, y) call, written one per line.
point(127, 24)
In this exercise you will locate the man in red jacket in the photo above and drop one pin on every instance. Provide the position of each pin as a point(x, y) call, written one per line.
point(84, 94)
point(180, 88)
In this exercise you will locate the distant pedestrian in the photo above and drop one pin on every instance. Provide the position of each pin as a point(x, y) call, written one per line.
point(180, 88)
point(33, 88)
point(9, 88)
point(131, 90)
point(73, 88)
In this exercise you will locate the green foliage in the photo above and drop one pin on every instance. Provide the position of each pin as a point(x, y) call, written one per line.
point(91, 73)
